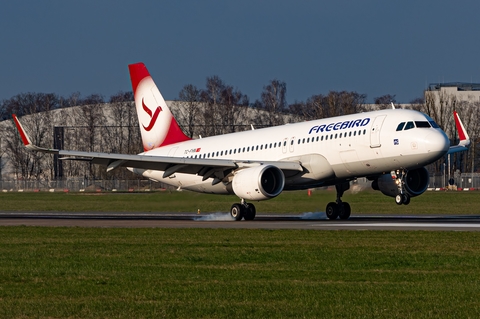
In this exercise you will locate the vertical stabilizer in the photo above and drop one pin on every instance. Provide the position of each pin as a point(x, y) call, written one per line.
point(157, 124)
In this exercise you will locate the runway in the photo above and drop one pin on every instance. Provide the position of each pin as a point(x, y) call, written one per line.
point(314, 221)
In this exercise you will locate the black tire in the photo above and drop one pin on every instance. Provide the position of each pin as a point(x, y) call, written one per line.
point(250, 212)
point(399, 199)
point(332, 211)
point(406, 199)
point(236, 212)
point(345, 211)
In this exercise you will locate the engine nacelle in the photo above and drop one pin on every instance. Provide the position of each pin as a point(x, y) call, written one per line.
point(259, 182)
point(416, 183)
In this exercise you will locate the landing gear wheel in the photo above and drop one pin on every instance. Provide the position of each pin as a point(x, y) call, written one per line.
point(405, 199)
point(332, 211)
point(399, 199)
point(250, 212)
point(345, 211)
point(236, 212)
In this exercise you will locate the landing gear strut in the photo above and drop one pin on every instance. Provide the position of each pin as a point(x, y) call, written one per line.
point(243, 210)
point(338, 208)
point(402, 196)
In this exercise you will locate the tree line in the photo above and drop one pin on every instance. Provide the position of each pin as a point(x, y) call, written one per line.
point(110, 125)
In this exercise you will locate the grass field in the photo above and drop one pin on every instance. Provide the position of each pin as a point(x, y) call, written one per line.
point(204, 273)
point(366, 202)
point(54, 272)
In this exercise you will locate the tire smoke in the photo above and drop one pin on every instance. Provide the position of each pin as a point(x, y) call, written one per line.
point(215, 217)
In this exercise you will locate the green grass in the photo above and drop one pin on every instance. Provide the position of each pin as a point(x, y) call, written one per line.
point(211, 273)
point(366, 202)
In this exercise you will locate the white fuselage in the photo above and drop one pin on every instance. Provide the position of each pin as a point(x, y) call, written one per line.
point(330, 150)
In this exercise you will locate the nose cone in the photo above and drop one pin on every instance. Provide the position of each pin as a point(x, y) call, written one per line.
point(437, 142)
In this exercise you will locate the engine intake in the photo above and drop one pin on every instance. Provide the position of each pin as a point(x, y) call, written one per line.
point(258, 183)
point(416, 183)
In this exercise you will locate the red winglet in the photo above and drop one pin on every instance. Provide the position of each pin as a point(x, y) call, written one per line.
point(462, 133)
point(21, 131)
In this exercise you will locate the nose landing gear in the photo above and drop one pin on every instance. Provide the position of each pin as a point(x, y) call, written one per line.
point(402, 196)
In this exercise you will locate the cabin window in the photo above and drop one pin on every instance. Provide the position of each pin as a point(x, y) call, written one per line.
point(400, 126)
point(221, 153)
point(285, 143)
point(364, 132)
point(230, 152)
point(270, 145)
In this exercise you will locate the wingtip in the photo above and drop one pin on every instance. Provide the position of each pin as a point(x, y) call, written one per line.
point(23, 135)
point(462, 132)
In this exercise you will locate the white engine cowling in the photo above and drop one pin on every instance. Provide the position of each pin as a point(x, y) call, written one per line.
point(259, 182)
point(416, 183)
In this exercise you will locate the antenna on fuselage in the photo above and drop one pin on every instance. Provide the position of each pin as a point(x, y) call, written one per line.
point(393, 106)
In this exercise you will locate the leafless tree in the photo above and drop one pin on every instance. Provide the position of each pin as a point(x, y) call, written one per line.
point(211, 97)
point(233, 109)
point(90, 118)
point(439, 105)
point(384, 101)
point(187, 108)
point(273, 104)
point(29, 165)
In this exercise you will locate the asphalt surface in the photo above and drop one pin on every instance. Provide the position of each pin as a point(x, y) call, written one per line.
point(316, 221)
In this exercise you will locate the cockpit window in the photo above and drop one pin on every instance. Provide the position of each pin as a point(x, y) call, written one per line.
point(400, 126)
point(409, 126)
point(422, 124)
point(432, 122)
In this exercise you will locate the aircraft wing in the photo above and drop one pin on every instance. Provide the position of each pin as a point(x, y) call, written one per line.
point(204, 167)
point(462, 135)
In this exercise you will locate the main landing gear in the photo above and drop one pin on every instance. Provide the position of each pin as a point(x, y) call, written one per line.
point(243, 210)
point(339, 209)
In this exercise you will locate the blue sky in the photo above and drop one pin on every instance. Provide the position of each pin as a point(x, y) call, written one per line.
point(372, 47)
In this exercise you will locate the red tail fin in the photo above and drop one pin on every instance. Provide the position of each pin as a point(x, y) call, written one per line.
point(157, 124)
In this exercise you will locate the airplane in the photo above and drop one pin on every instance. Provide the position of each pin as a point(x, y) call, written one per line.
point(389, 147)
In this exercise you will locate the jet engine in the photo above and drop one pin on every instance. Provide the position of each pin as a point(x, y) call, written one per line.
point(415, 183)
point(259, 182)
